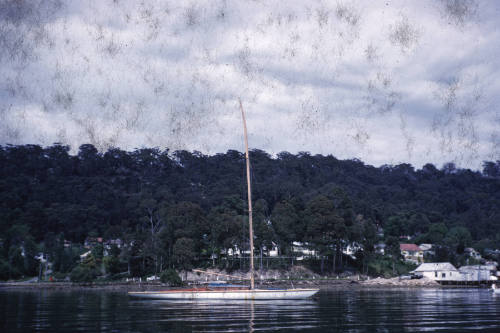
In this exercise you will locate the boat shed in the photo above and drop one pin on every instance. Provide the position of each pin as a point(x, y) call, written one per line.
point(478, 273)
point(441, 271)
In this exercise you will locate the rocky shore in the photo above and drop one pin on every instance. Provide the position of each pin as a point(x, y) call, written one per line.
point(325, 284)
point(397, 282)
point(298, 276)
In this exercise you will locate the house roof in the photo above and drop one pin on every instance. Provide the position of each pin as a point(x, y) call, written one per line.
point(425, 246)
point(435, 266)
point(478, 268)
point(469, 249)
point(85, 254)
point(409, 247)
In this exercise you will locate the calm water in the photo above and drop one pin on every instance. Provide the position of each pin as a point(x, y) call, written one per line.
point(452, 310)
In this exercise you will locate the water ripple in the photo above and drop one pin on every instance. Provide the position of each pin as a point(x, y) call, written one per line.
point(420, 310)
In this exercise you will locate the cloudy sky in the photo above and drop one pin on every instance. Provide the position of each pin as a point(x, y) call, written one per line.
point(383, 81)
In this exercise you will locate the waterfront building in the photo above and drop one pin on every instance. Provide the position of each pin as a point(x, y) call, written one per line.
point(478, 273)
point(442, 271)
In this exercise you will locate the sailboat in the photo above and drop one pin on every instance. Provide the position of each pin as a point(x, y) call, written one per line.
point(233, 291)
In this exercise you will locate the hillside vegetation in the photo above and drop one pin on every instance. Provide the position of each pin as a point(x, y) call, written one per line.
point(182, 209)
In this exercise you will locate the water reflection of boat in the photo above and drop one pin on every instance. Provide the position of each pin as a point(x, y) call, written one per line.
point(233, 292)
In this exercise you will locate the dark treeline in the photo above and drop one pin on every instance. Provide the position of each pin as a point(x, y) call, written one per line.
point(178, 209)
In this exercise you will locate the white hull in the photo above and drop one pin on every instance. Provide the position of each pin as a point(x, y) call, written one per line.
point(229, 294)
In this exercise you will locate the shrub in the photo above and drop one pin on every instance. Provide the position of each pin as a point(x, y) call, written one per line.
point(83, 274)
point(171, 277)
point(58, 276)
point(4, 270)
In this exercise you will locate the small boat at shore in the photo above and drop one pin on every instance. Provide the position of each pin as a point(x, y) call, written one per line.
point(232, 291)
point(495, 289)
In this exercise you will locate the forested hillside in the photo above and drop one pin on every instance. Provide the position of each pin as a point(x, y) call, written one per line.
point(180, 208)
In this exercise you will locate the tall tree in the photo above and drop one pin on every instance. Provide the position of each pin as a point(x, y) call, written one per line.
point(325, 228)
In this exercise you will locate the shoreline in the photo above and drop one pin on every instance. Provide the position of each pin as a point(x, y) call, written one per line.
point(326, 284)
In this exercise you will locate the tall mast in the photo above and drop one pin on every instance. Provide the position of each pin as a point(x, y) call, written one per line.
point(250, 224)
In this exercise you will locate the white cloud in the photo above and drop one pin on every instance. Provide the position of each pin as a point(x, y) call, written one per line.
point(364, 79)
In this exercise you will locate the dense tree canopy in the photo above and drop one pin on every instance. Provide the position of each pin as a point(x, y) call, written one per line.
point(176, 207)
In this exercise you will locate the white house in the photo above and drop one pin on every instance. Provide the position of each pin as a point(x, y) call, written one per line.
point(472, 253)
point(442, 271)
point(110, 242)
point(273, 251)
point(41, 257)
point(303, 250)
point(236, 252)
point(380, 248)
point(351, 249)
point(412, 253)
